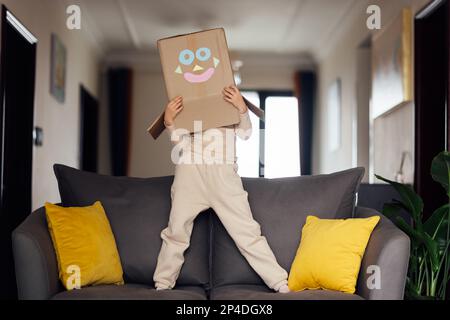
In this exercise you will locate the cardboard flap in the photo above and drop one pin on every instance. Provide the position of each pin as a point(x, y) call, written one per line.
point(257, 111)
point(157, 127)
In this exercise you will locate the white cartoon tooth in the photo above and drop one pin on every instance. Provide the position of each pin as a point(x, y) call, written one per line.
point(216, 62)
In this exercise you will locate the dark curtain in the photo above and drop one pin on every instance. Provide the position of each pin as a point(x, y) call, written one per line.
point(119, 100)
point(305, 91)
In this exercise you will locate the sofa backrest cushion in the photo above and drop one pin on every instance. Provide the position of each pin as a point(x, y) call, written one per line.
point(281, 207)
point(138, 210)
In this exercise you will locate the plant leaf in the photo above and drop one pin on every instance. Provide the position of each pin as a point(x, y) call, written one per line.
point(412, 291)
point(437, 227)
point(440, 170)
point(392, 210)
point(436, 224)
point(413, 263)
point(433, 251)
point(412, 201)
point(421, 237)
point(408, 229)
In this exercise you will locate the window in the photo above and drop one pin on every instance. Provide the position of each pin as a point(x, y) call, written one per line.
point(272, 152)
point(281, 149)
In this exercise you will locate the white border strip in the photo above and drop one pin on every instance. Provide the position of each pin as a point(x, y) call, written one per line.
point(20, 28)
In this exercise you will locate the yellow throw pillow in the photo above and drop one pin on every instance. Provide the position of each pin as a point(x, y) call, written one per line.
point(330, 253)
point(85, 246)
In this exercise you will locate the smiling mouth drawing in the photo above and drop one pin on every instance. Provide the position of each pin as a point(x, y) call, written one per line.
point(197, 78)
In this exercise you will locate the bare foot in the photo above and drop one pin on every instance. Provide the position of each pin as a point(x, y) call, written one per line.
point(161, 288)
point(284, 289)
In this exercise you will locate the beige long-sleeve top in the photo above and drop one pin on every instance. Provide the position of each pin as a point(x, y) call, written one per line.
point(212, 146)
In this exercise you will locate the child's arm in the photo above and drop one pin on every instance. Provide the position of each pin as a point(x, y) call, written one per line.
point(173, 108)
point(233, 96)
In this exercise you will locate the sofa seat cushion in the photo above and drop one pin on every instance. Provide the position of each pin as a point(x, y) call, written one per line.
point(138, 210)
point(261, 292)
point(281, 206)
point(132, 292)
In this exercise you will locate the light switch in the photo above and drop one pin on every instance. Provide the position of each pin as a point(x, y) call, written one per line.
point(38, 136)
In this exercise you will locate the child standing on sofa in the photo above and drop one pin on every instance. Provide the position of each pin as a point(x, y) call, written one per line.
point(214, 184)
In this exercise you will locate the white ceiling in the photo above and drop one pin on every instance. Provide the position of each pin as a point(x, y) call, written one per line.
point(274, 26)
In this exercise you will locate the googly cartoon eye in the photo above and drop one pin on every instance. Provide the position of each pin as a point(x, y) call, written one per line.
point(203, 54)
point(186, 57)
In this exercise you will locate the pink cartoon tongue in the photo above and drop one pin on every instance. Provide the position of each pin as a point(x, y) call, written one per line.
point(195, 78)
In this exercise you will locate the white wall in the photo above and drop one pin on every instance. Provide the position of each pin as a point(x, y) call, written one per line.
point(272, 71)
point(60, 122)
point(361, 129)
point(151, 158)
point(339, 60)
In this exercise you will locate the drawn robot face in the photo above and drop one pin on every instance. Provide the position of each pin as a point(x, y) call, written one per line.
point(196, 73)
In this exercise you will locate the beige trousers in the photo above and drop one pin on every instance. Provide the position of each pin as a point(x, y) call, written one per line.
point(196, 188)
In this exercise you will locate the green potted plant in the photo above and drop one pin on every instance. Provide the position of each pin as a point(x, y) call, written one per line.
point(429, 264)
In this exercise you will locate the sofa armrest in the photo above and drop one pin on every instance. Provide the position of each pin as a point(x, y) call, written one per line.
point(34, 258)
point(387, 253)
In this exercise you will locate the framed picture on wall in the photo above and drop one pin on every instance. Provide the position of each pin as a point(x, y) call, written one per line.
point(58, 61)
point(334, 109)
point(392, 65)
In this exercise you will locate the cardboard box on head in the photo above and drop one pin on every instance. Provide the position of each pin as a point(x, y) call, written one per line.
point(197, 67)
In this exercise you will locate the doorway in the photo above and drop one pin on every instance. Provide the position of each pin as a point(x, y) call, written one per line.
point(17, 80)
point(89, 131)
point(431, 98)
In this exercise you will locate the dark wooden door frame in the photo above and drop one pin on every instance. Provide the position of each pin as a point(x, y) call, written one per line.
point(432, 87)
point(17, 24)
point(88, 144)
point(17, 85)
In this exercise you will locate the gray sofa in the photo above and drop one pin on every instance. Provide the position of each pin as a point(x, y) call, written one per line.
point(214, 269)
